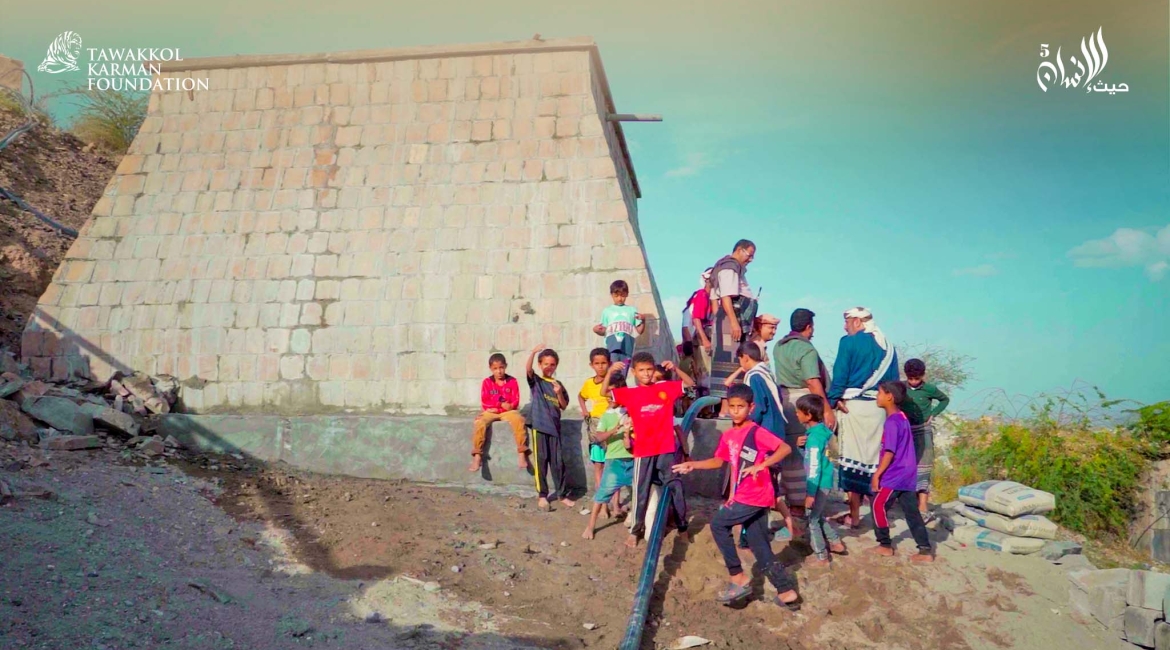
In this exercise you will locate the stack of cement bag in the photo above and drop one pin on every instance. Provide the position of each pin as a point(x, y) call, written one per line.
point(1003, 516)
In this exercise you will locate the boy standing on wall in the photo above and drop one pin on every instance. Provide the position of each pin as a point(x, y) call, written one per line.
point(620, 323)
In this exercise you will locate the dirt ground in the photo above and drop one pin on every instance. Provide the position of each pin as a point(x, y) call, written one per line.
point(53, 172)
point(219, 552)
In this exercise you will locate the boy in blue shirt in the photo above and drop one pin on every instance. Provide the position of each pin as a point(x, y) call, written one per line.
point(620, 323)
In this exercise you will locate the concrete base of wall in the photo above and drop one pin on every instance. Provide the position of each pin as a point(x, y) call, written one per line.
point(432, 449)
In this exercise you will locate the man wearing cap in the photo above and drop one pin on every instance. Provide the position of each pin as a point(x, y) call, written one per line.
point(864, 359)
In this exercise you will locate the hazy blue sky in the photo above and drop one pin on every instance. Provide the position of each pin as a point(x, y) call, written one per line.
point(898, 155)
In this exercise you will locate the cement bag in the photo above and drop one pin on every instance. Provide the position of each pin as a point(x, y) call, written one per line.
point(1007, 498)
point(1025, 526)
point(989, 539)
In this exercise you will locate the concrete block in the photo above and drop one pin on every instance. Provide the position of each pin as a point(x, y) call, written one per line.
point(1147, 589)
point(1139, 625)
point(1084, 580)
point(1161, 636)
point(1107, 605)
point(116, 420)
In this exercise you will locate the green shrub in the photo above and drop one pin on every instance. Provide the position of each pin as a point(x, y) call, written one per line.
point(108, 119)
point(1093, 469)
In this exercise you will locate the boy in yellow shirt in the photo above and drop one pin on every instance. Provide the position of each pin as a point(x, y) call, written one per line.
point(593, 405)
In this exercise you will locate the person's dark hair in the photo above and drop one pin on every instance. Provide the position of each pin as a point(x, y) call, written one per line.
point(896, 389)
point(742, 391)
point(598, 352)
point(549, 352)
point(743, 244)
point(813, 406)
point(915, 368)
point(666, 374)
point(688, 348)
point(497, 358)
point(750, 350)
point(642, 357)
point(801, 318)
point(619, 286)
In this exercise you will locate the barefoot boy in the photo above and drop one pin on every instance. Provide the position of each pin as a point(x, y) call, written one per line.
point(924, 402)
point(500, 397)
point(594, 403)
point(656, 450)
point(896, 475)
point(549, 398)
point(751, 450)
point(613, 430)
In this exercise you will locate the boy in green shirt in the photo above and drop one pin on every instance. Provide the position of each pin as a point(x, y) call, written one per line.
point(810, 410)
point(923, 402)
point(612, 430)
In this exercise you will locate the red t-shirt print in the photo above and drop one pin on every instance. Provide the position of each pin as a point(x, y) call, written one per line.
point(651, 410)
point(754, 490)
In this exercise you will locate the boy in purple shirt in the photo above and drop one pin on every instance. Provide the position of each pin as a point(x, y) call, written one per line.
point(896, 476)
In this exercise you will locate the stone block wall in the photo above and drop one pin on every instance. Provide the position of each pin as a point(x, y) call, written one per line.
point(356, 232)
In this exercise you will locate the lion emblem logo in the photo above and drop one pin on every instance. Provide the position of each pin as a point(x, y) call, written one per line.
point(62, 56)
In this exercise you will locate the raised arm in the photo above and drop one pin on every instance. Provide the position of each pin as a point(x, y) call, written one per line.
point(687, 380)
point(532, 357)
point(614, 368)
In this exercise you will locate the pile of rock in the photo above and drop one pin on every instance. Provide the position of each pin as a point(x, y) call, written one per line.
point(1133, 604)
point(79, 415)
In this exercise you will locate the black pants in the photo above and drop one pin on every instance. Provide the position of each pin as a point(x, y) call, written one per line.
point(909, 502)
point(754, 520)
point(548, 464)
point(656, 470)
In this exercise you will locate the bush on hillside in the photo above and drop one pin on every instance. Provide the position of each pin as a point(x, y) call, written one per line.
point(1094, 469)
point(108, 119)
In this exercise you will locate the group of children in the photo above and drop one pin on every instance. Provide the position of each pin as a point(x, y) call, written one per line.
point(635, 443)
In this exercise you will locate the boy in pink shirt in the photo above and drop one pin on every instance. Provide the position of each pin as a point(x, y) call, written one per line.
point(751, 450)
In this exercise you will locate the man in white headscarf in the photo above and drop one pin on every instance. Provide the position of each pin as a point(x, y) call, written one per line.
point(864, 359)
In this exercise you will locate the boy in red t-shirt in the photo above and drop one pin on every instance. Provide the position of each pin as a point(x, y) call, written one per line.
point(656, 449)
point(751, 450)
point(500, 397)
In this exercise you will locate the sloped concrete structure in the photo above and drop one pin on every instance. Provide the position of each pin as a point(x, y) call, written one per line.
point(356, 232)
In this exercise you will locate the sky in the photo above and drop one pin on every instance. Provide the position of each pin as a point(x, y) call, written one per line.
point(896, 155)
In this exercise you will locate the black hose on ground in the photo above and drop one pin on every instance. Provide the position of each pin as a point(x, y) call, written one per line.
point(29, 123)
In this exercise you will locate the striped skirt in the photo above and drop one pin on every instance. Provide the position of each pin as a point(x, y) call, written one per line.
point(723, 360)
point(924, 452)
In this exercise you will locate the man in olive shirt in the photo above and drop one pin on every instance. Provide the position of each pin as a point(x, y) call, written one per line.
point(800, 371)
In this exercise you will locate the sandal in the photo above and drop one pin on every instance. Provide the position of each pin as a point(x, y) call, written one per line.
point(732, 593)
point(793, 606)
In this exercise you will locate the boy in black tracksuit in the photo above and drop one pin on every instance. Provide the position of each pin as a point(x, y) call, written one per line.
point(549, 398)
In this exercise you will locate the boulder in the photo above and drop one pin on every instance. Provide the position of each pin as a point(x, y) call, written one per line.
point(72, 443)
point(8, 387)
point(28, 390)
point(121, 422)
point(15, 425)
point(152, 447)
point(59, 413)
point(1139, 625)
point(1147, 589)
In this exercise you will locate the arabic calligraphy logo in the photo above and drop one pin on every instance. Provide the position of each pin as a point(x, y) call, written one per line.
point(1094, 54)
point(62, 55)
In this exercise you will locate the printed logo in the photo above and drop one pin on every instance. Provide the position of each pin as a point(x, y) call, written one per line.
point(662, 396)
point(1094, 54)
point(121, 68)
point(62, 54)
